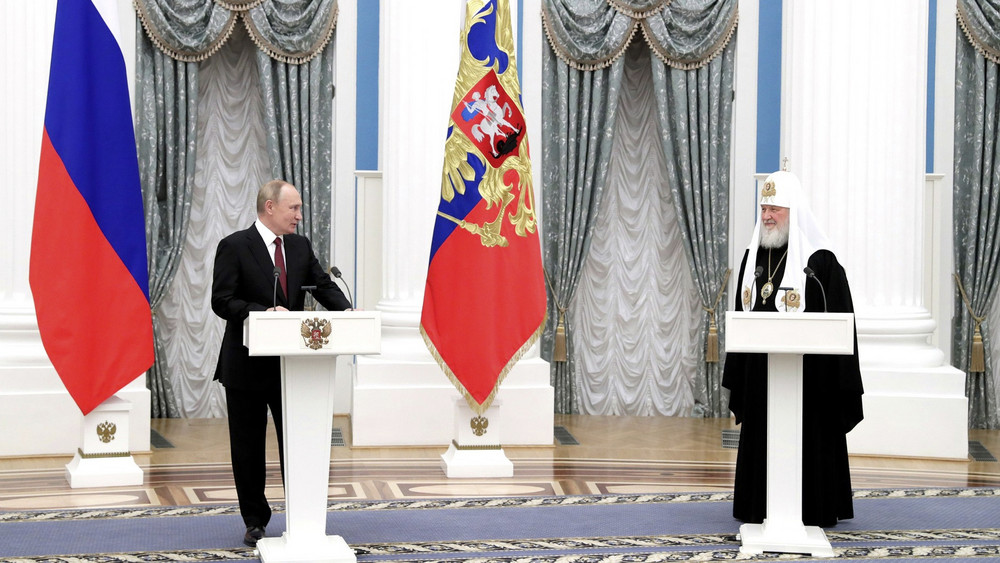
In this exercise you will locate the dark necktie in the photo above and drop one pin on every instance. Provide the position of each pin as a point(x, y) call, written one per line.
point(279, 262)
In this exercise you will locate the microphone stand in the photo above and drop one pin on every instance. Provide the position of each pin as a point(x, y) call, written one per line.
point(274, 294)
point(335, 272)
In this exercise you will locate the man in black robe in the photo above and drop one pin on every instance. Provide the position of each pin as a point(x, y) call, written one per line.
point(786, 243)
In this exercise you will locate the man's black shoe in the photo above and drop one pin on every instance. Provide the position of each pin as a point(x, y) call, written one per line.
point(253, 534)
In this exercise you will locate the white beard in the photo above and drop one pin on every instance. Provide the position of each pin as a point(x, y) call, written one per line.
point(774, 238)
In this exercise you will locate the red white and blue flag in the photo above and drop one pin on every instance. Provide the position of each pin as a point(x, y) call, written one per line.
point(484, 302)
point(88, 245)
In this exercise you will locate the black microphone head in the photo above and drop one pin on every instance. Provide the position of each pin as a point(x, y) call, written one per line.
point(809, 272)
point(335, 271)
point(277, 272)
point(758, 271)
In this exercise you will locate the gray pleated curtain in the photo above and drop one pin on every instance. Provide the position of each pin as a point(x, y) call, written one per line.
point(582, 73)
point(976, 197)
point(695, 111)
point(295, 67)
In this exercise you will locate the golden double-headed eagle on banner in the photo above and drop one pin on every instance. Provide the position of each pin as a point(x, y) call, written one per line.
point(487, 123)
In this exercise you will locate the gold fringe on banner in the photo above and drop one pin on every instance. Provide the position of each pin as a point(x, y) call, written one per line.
point(559, 349)
point(712, 342)
point(977, 361)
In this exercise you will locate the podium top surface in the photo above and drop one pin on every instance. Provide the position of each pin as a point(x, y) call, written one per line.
point(313, 333)
point(790, 333)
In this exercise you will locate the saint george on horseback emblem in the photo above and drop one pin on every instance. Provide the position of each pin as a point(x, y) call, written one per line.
point(490, 119)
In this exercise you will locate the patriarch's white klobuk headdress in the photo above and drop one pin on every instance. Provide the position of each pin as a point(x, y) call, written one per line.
point(783, 189)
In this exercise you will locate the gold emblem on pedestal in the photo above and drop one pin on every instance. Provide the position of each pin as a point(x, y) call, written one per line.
point(106, 431)
point(316, 332)
point(479, 425)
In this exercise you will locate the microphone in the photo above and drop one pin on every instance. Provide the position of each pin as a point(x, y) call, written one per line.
point(756, 274)
point(274, 294)
point(335, 271)
point(809, 272)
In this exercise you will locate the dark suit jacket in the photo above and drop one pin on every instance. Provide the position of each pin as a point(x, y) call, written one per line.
point(243, 281)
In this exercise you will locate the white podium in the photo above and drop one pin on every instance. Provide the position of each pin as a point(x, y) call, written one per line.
point(785, 337)
point(308, 343)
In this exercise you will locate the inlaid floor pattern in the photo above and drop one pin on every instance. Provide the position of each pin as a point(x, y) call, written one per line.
point(188, 464)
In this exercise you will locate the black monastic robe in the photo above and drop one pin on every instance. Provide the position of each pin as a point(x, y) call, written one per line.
point(832, 392)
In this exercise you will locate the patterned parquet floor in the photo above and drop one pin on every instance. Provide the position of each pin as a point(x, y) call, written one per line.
point(612, 455)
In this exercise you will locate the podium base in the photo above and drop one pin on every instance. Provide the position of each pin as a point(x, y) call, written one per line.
point(473, 463)
point(758, 538)
point(84, 472)
point(321, 549)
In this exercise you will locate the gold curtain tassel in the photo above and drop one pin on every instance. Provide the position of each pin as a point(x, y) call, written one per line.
point(712, 344)
point(559, 350)
point(978, 363)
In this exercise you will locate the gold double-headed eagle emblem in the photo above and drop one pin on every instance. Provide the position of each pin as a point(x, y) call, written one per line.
point(316, 332)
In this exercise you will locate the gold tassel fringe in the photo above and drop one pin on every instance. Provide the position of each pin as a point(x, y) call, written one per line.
point(559, 350)
point(712, 344)
point(977, 364)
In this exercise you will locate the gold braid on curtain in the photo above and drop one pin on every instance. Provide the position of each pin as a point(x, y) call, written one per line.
point(624, 8)
point(559, 350)
point(278, 54)
point(241, 9)
point(183, 56)
point(712, 342)
point(977, 362)
point(691, 64)
point(239, 6)
point(562, 51)
point(978, 43)
point(639, 21)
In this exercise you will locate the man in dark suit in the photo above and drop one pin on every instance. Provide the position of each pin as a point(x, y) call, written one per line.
point(263, 268)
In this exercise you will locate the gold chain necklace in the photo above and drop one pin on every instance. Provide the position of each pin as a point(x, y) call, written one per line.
point(768, 287)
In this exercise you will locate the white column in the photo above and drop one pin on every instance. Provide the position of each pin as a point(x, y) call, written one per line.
point(402, 397)
point(854, 98)
point(33, 401)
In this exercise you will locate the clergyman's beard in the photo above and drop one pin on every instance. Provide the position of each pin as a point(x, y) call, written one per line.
point(774, 238)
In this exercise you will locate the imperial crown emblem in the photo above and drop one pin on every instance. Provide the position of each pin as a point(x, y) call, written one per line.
point(316, 332)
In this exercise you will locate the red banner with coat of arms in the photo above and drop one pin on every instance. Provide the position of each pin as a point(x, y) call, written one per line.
point(484, 302)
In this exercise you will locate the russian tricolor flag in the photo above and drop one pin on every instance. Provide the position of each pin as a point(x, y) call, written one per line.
point(484, 300)
point(88, 247)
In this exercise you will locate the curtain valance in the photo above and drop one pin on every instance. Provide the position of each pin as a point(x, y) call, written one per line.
point(290, 31)
point(980, 21)
point(684, 34)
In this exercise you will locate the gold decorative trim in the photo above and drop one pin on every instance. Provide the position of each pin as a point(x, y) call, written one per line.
point(563, 54)
point(239, 6)
point(639, 20)
point(279, 55)
point(623, 8)
point(183, 56)
point(476, 407)
point(691, 64)
point(238, 10)
point(476, 448)
point(79, 452)
point(980, 46)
